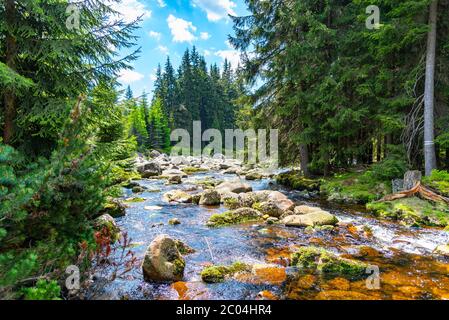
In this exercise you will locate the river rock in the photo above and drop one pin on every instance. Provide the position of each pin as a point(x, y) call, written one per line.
point(253, 176)
point(281, 201)
point(163, 262)
point(151, 169)
point(317, 218)
point(174, 221)
point(174, 172)
point(411, 178)
point(174, 180)
point(210, 197)
point(442, 250)
point(115, 208)
point(154, 154)
point(306, 209)
point(233, 170)
point(107, 222)
point(177, 196)
point(233, 186)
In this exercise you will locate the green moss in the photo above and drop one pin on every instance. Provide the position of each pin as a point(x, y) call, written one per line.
point(231, 202)
point(179, 265)
point(327, 264)
point(438, 180)
point(215, 274)
point(121, 175)
point(183, 248)
point(114, 208)
point(192, 170)
point(294, 179)
point(354, 187)
point(134, 200)
point(413, 211)
point(207, 183)
point(234, 217)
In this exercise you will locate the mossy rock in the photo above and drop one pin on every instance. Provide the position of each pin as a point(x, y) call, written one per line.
point(328, 264)
point(295, 180)
point(232, 217)
point(107, 223)
point(231, 202)
point(412, 211)
point(192, 170)
point(215, 274)
point(115, 208)
point(134, 200)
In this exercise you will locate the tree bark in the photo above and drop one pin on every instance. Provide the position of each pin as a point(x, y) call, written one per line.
point(429, 92)
point(304, 159)
point(11, 51)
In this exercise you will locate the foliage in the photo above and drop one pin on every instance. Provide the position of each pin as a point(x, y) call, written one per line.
point(438, 180)
point(339, 93)
point(44, 290)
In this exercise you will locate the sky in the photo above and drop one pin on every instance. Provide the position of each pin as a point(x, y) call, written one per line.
point(171, 26)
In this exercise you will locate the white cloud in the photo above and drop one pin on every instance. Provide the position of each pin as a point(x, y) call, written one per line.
point(233, 56)
point(155, 35)
point(207, 53)
point(163, 49)
point(153, 77)
point(130, 76)
point(130, 10)
point(161, 3)
point(216, 9)
point(204, 35)
point(181, 29)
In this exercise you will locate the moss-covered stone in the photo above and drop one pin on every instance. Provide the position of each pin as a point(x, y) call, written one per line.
point(231, 202)
point(192, 170)
point(327, 264)
point(134, 200)
point(115, 208)
point(215, 274)
point(295, 180)
point(106, 223)
point(237, 216)
point(412, 211)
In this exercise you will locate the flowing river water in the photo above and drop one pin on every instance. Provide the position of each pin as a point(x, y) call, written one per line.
point(408, 269)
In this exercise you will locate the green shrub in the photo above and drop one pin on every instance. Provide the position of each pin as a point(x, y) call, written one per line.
point(44, 290)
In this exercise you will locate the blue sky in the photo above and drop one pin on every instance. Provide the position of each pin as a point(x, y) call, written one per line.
point(170, 26)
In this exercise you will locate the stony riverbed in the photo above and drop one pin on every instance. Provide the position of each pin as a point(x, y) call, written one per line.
point(409, 268)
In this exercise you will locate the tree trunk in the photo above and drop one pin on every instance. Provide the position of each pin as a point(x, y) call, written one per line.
point(429, 96)
point(9, 96)
point(304, 159)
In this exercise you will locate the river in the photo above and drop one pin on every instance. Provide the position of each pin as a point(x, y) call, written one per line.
point(408, 269)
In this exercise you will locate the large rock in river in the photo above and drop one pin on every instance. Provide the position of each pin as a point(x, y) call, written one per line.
point(316, 218)
point(151, 169)
point(177, 196)
point(210, 197)
point(163, 262)
point(233, 186)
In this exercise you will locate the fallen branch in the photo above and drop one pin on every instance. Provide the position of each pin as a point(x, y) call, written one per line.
point(417, 190)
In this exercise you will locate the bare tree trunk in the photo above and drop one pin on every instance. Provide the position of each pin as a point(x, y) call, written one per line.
point(9, 96)
point(304, 159)
point(429, 95)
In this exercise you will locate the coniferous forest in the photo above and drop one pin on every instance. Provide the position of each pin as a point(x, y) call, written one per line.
point(93, 205)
